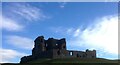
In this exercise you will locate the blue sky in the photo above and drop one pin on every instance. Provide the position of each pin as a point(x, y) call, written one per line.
point(85, 25)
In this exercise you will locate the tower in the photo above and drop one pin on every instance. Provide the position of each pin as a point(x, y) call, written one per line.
point(39, 46)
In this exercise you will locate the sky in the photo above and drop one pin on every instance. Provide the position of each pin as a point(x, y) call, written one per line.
point(85, 25)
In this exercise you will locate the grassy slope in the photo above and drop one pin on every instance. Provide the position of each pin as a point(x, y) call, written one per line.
point(74, 60)
point(69, 61)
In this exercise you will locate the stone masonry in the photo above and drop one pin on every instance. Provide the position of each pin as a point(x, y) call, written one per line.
point(54, 48)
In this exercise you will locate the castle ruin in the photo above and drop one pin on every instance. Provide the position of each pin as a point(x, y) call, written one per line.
point(55, 48)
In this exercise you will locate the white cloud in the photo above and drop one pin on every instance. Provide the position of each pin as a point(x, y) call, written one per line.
point(10, 25)
point(77, 32)
point(19, 13)
point(57, 29)
point(7, 55)
point(62, 4)
point(101, 35)
point(28, 12)
point(69, 30)
point(20, 42)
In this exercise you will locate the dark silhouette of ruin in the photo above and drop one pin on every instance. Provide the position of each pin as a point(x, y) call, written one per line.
point(55, 48)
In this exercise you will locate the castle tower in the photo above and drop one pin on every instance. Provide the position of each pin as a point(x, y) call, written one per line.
point(63, 44)
point(39, 45)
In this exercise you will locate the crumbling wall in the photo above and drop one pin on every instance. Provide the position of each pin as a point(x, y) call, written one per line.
point(55, 48)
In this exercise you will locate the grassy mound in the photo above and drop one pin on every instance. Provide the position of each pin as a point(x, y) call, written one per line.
point(74, 60)
point(70, 61)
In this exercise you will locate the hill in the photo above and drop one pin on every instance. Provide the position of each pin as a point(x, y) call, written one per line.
point(70, 61)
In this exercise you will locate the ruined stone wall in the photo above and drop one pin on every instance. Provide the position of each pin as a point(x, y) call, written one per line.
point(91, 54)
point(55, 48)
point(81, 54)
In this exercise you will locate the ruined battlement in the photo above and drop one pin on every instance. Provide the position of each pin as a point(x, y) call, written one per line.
point(55, 48)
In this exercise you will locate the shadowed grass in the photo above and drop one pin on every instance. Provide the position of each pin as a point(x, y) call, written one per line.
point(70, 61)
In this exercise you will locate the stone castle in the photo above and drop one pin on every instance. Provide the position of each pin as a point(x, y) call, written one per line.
point(55, 48)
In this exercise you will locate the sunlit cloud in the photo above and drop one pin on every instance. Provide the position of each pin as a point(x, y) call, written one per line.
point(26, 11)
point(10, 25)
point(19, 16)
point(101, 35)
point(8, 55)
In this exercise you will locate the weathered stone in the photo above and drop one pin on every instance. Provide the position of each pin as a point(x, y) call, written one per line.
point(54, 48)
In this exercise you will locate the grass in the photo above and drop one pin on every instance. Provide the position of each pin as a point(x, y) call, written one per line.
point(70, 61)
point(74, 60)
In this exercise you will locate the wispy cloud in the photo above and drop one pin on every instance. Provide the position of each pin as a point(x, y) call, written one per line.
point(20, 42)
point(8, 55)
point(28, 12)
point(19, 14)
point(77, 32)
point(10, 25)
point(62, 4)
point(102, 35)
